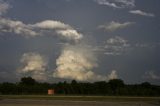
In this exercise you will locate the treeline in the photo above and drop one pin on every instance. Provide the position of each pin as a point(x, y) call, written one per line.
point(28, 86)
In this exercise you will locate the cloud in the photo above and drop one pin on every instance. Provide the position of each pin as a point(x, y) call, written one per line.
point(107, 3)
point(65, 30)
point(46, 27)
point(151, 75)
point(70, 34)
point(112, 26)
point(142, 13)
point(116, 46)
point(34, 65)
point(151, 46)
point(77, 64)
point(4, 6)
point(76, 60)
point(117, 40)
point(17, 27)
point(117, 3)
point(51, 24)
point(113, 75)
point(40, 29)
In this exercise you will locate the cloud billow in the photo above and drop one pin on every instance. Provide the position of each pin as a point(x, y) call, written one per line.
point(77, 64)
point(39, 29)
point(64, 30)
point(17, 27)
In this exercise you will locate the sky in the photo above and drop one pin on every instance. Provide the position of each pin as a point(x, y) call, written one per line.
point(84, 40)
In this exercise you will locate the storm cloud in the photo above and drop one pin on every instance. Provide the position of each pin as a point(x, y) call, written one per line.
point(85, 40)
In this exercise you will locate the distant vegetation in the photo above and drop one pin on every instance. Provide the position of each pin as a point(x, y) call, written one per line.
point(115, 87)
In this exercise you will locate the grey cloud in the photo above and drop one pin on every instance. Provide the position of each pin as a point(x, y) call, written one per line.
point(39, 29)
point(151, 75)
point(18, 27)
point(113, 75)
point(116, 46)
point(65, 30)
point(112, 26)
point(142, 13)
point(4, 6)
point(51, 24)
point(117, 3)
point(113, 46)
point(146, 45)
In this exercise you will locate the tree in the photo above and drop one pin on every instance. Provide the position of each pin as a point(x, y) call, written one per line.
point(28, 81)
point(115, 85)
point(74, 82)
point(146, 84)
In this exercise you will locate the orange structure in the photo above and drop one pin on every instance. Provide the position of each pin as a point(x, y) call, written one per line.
point(50, 91)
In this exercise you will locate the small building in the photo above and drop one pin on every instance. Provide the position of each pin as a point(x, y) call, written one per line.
point(50, 91)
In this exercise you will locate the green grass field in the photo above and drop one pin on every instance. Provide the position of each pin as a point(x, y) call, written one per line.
point(83, 98)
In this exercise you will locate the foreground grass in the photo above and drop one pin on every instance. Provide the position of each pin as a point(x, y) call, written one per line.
point(84, 98)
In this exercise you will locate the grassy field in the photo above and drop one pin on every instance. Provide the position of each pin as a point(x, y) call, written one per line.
point(83, 98)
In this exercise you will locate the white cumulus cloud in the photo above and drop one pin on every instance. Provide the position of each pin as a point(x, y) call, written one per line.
point(34, 65)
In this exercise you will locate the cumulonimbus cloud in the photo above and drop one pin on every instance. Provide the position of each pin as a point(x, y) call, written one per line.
point(112, 26)
point(117, 3)
point(78, 62)
point(142, 13)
